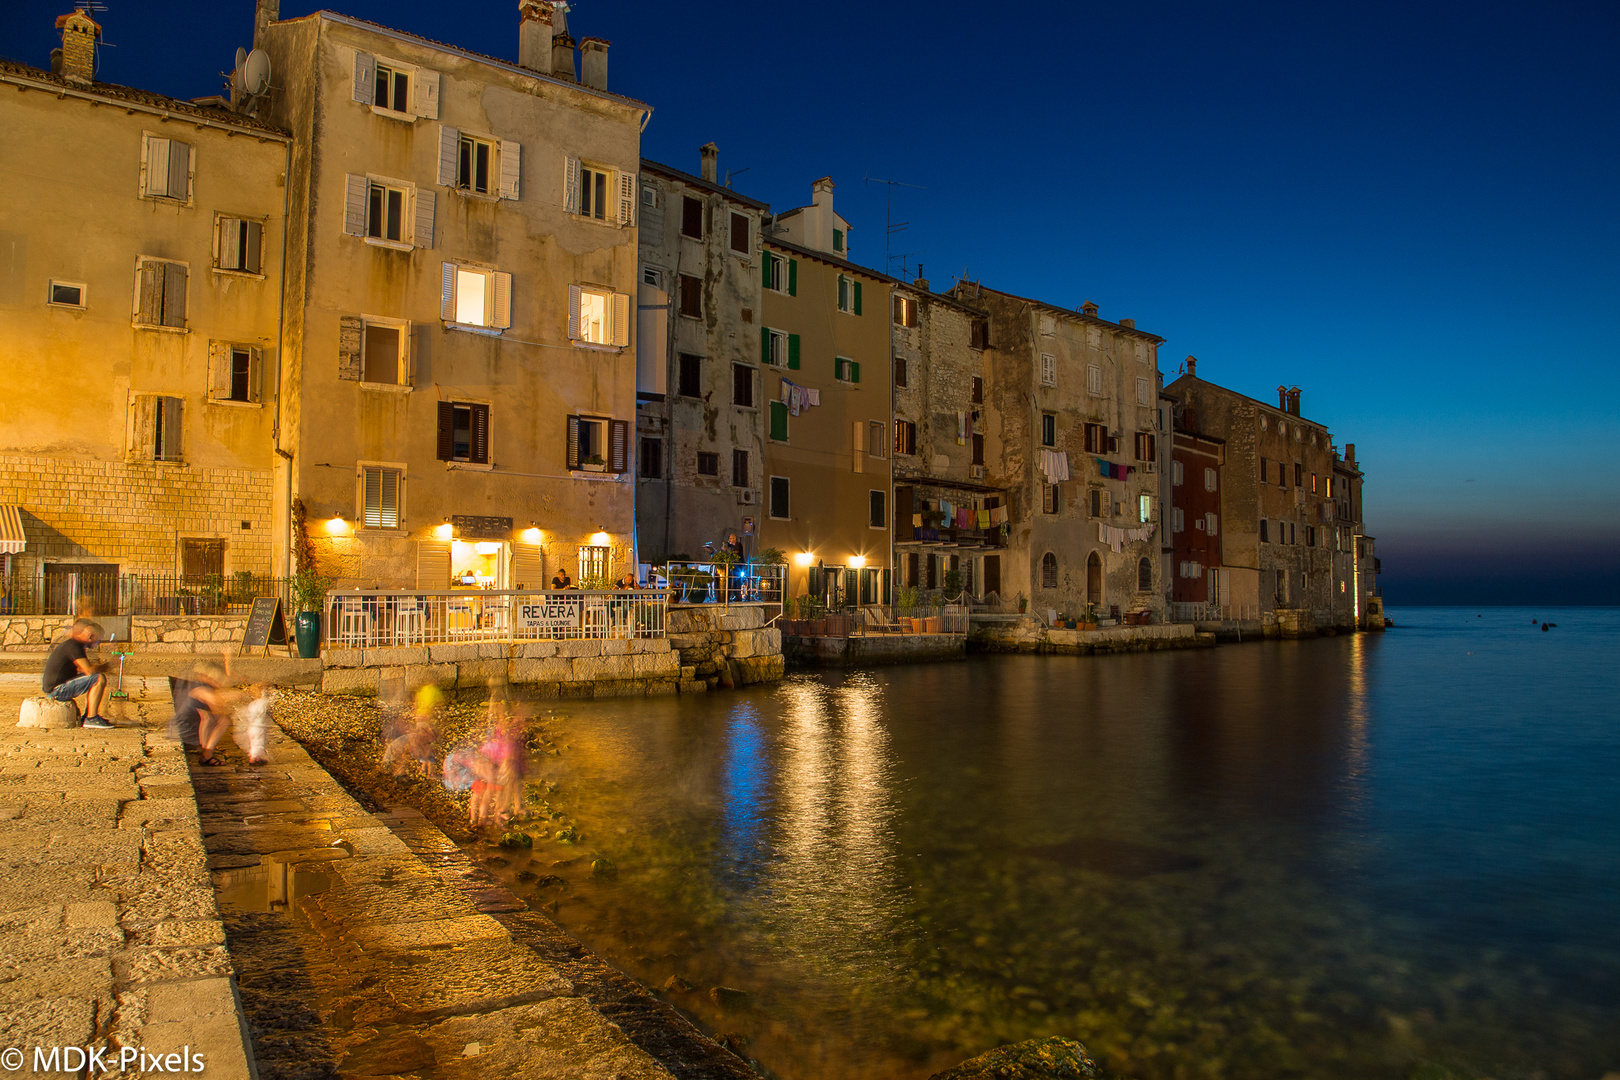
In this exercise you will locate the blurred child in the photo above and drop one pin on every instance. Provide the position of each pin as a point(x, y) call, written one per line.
point(252, 731)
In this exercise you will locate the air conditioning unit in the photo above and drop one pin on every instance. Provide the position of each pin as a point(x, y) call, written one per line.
point(1152, 467)
point(748, 497)
point(976, 472)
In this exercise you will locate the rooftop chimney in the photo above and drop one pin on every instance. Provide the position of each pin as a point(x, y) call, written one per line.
point(1350, 454)
point(1192, 367)
point(1282, 398)
point(593, 62)
point(1089, 308)
point(265, 12)
point(79, 34)
point(1293, 400)
point(1129, 324)
point(711, 161)
point(562, 46)
point(534, 35)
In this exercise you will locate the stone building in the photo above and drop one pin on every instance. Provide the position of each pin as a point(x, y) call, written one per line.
point(824, 347)
point(939, 466)
point(701, 356)
point(1357, 599)
point(140, 276)
point(1195, 519)
point(458, 397)
point(1277, 520)
point(1072, 434)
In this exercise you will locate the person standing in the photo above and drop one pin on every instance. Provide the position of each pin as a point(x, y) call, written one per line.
point(70, 673)
point(733, 546)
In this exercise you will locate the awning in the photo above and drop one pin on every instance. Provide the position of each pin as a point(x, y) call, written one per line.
point(12, 538)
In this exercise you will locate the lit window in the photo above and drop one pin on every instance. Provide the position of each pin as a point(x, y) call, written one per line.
point(380, 497)
point(1144, 506)
point(598, 317)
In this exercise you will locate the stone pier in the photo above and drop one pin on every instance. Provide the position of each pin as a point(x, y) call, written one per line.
point(725, 645)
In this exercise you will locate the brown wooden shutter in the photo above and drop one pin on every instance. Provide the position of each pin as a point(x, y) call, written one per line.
point(447, 431)
point(573, 442)
point(433, 564)
point(351, 328)
point(619, 446)
point(480, 433)
point(174, 295)
point(149, 293)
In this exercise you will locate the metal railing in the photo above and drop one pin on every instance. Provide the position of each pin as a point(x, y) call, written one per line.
point(137, 594)
point(355, 618)
point(875, 619)
point(1183, 611)
point(718, 583)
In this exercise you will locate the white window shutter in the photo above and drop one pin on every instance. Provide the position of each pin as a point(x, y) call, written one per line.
point(573, 313)
point(449, 155)
point(407, 353)
point(179, 170)
point(571, 185)
point(511, 167)
point(365, 78)
point(424, 217)
point(219, 369)
point(253, 255)
point(627, 199)
point(501, 305)
point(174, 295)
point(425, 94)
point(256, 375)
point(157, 167)
point(148, 292)
point(354, 205)
point(621, 319)
point(447, 299)
point(228, 244)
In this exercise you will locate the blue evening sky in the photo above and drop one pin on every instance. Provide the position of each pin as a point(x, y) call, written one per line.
point(1409, 210)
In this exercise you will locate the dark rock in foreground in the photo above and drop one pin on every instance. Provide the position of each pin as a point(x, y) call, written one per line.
point(1052, 1058)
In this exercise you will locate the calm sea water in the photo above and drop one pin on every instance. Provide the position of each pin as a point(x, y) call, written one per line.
point(1385, 855)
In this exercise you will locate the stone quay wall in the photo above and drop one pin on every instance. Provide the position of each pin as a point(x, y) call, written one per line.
point(1028, 635)
point(725, 646)
point(149, 633)
point(611, 667)
point(873, 649)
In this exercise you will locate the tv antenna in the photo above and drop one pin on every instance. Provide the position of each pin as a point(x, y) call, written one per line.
point(735, 172)
point(890, 226)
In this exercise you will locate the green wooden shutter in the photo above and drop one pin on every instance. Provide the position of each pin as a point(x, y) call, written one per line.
point(793, 277)
point(857, 298)
point(779, 418)
point(854, 370)
point(838, 368)
point(765, 264)
point(764, 345)
point(793, 351)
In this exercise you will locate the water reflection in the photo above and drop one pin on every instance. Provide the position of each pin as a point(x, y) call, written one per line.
point(746, 773)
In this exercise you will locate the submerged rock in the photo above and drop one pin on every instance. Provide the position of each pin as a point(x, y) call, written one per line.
point(1052, 1058)
point(728, 998)
point(677, 985)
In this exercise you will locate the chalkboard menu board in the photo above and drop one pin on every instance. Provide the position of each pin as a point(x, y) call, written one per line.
point(481, 528)
point(265, 625)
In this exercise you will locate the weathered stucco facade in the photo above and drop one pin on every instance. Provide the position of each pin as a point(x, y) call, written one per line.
point(827, 477)
point(700, 388)
point(1065, 391)
point(140, 289)
point(459, 394)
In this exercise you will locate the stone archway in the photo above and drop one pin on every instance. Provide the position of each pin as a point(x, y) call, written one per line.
point(1094, 579)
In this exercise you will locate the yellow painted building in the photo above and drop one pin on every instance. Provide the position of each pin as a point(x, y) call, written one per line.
point(824, 363)
point(140, 291)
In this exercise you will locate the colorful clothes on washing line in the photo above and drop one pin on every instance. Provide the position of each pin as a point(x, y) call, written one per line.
point(1113, 472)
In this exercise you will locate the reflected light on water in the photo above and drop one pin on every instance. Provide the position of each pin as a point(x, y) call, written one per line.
point(746, 787)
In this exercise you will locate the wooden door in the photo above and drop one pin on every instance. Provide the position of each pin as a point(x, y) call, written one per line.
point(992, 574)
point(1094, 580)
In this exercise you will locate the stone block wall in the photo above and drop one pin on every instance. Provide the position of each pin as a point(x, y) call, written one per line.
point(1029, 635)
point(725, 646)
point(150, 633)
point(560, 669)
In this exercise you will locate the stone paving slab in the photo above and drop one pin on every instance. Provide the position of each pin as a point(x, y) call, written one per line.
point(105, 900)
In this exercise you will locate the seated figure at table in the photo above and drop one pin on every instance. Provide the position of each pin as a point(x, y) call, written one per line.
point(562, 580)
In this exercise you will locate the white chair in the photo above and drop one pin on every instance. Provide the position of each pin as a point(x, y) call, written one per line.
point(354, 621)
point(410, 620)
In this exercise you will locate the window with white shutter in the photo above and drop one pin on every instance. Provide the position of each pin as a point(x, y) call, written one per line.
point(233, 372)
point(474, 296)
point(1144, 392)
point(1178, 521)
point(1048, 369)
point(1210, 479)
point(239, 245)
point(160, 294)
point(165, 168)
point(1094, 380)
point(398, 90)
point(598, 317)
point(627, 199)
point(381, 491)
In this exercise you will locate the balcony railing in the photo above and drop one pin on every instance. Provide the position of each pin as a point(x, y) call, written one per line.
point(412, 617)
point(138, 594)
point(718, 583)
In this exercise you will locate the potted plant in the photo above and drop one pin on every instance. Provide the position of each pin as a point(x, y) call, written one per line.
point(594, 463)
point(1088, 618)
point(309, 596)
point(1023, 603)
point(953, 583)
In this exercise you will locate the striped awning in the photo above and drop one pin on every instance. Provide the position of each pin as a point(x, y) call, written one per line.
point(12, 539)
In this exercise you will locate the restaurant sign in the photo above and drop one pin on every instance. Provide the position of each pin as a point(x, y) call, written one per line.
point(549, 613)
point(481, 528)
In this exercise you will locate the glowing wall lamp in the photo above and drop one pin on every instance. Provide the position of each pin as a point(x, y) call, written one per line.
point(443, 532)
point(337, 526)
point(857, 561)
point(531, 535)
point(601, 539)
point(803, 558)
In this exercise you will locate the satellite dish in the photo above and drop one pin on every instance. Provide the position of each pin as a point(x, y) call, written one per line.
point(241, 56)
point(256, 72)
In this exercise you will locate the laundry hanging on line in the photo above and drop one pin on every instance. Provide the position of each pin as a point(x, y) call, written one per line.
point(1113, 472)
point(1055, 465)
point(1116, 538)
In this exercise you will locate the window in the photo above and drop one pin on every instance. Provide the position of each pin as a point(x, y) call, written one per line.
point(1144, 575)
point(1048, 369)
point(160, 294)
point(691, 296)
point(742, 385)
point(876, 443)
point(692, 217)
point(598, 317)
point(595, 444)
point(649, 197)
point(475, 296)
point(781, 275)
point(382, 356)
point(650, 465)
point(979, 334)
point(846, 370)
point(905, 437)
point(739, 234)
point(1282, 474)
point(779, 349)
point(1299, 475)
point(849, 295)
point(1094, 380)
point(651, 275)
point(1050, 498)
point(1049, 574)
point(739, 468)
point(905, 311)
point(1313, 483)
point(978, 448)
point(595, 564)
point(1048, 326)
point(779, 421)
point(708, 464)
point(463, 432)
point(978, 391)
point(1178, 521)
point(1096, 439)
point(1048, 429)
point(1265, 531)
point(1144, 392)
point(1175, 473)
point(391, 89)
point(594, 186)
point(385, 212)
point(1147, 446)
point(388, 212)
point(1265, 470)
point(233, 372)
point(900, 373)
point(1210, 479)
point(67, 294)
point(379, 497)
point(877, 507)
point(165, 169)
point(475, 162)
point(779, 507)
point(1310, 536)
point(838, 239)
point(1211, 524)
point(1144, 508)
point(598, 193)
point(691, 375)
point(1141, 352)
point(240, 246)
point(1101, 503)
point(157, 427)
point(201, 558)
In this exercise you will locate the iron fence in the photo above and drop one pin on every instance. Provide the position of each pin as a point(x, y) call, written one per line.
point(720, 583)
point(413, 617)
point(1182, 611)
point(80, 590)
